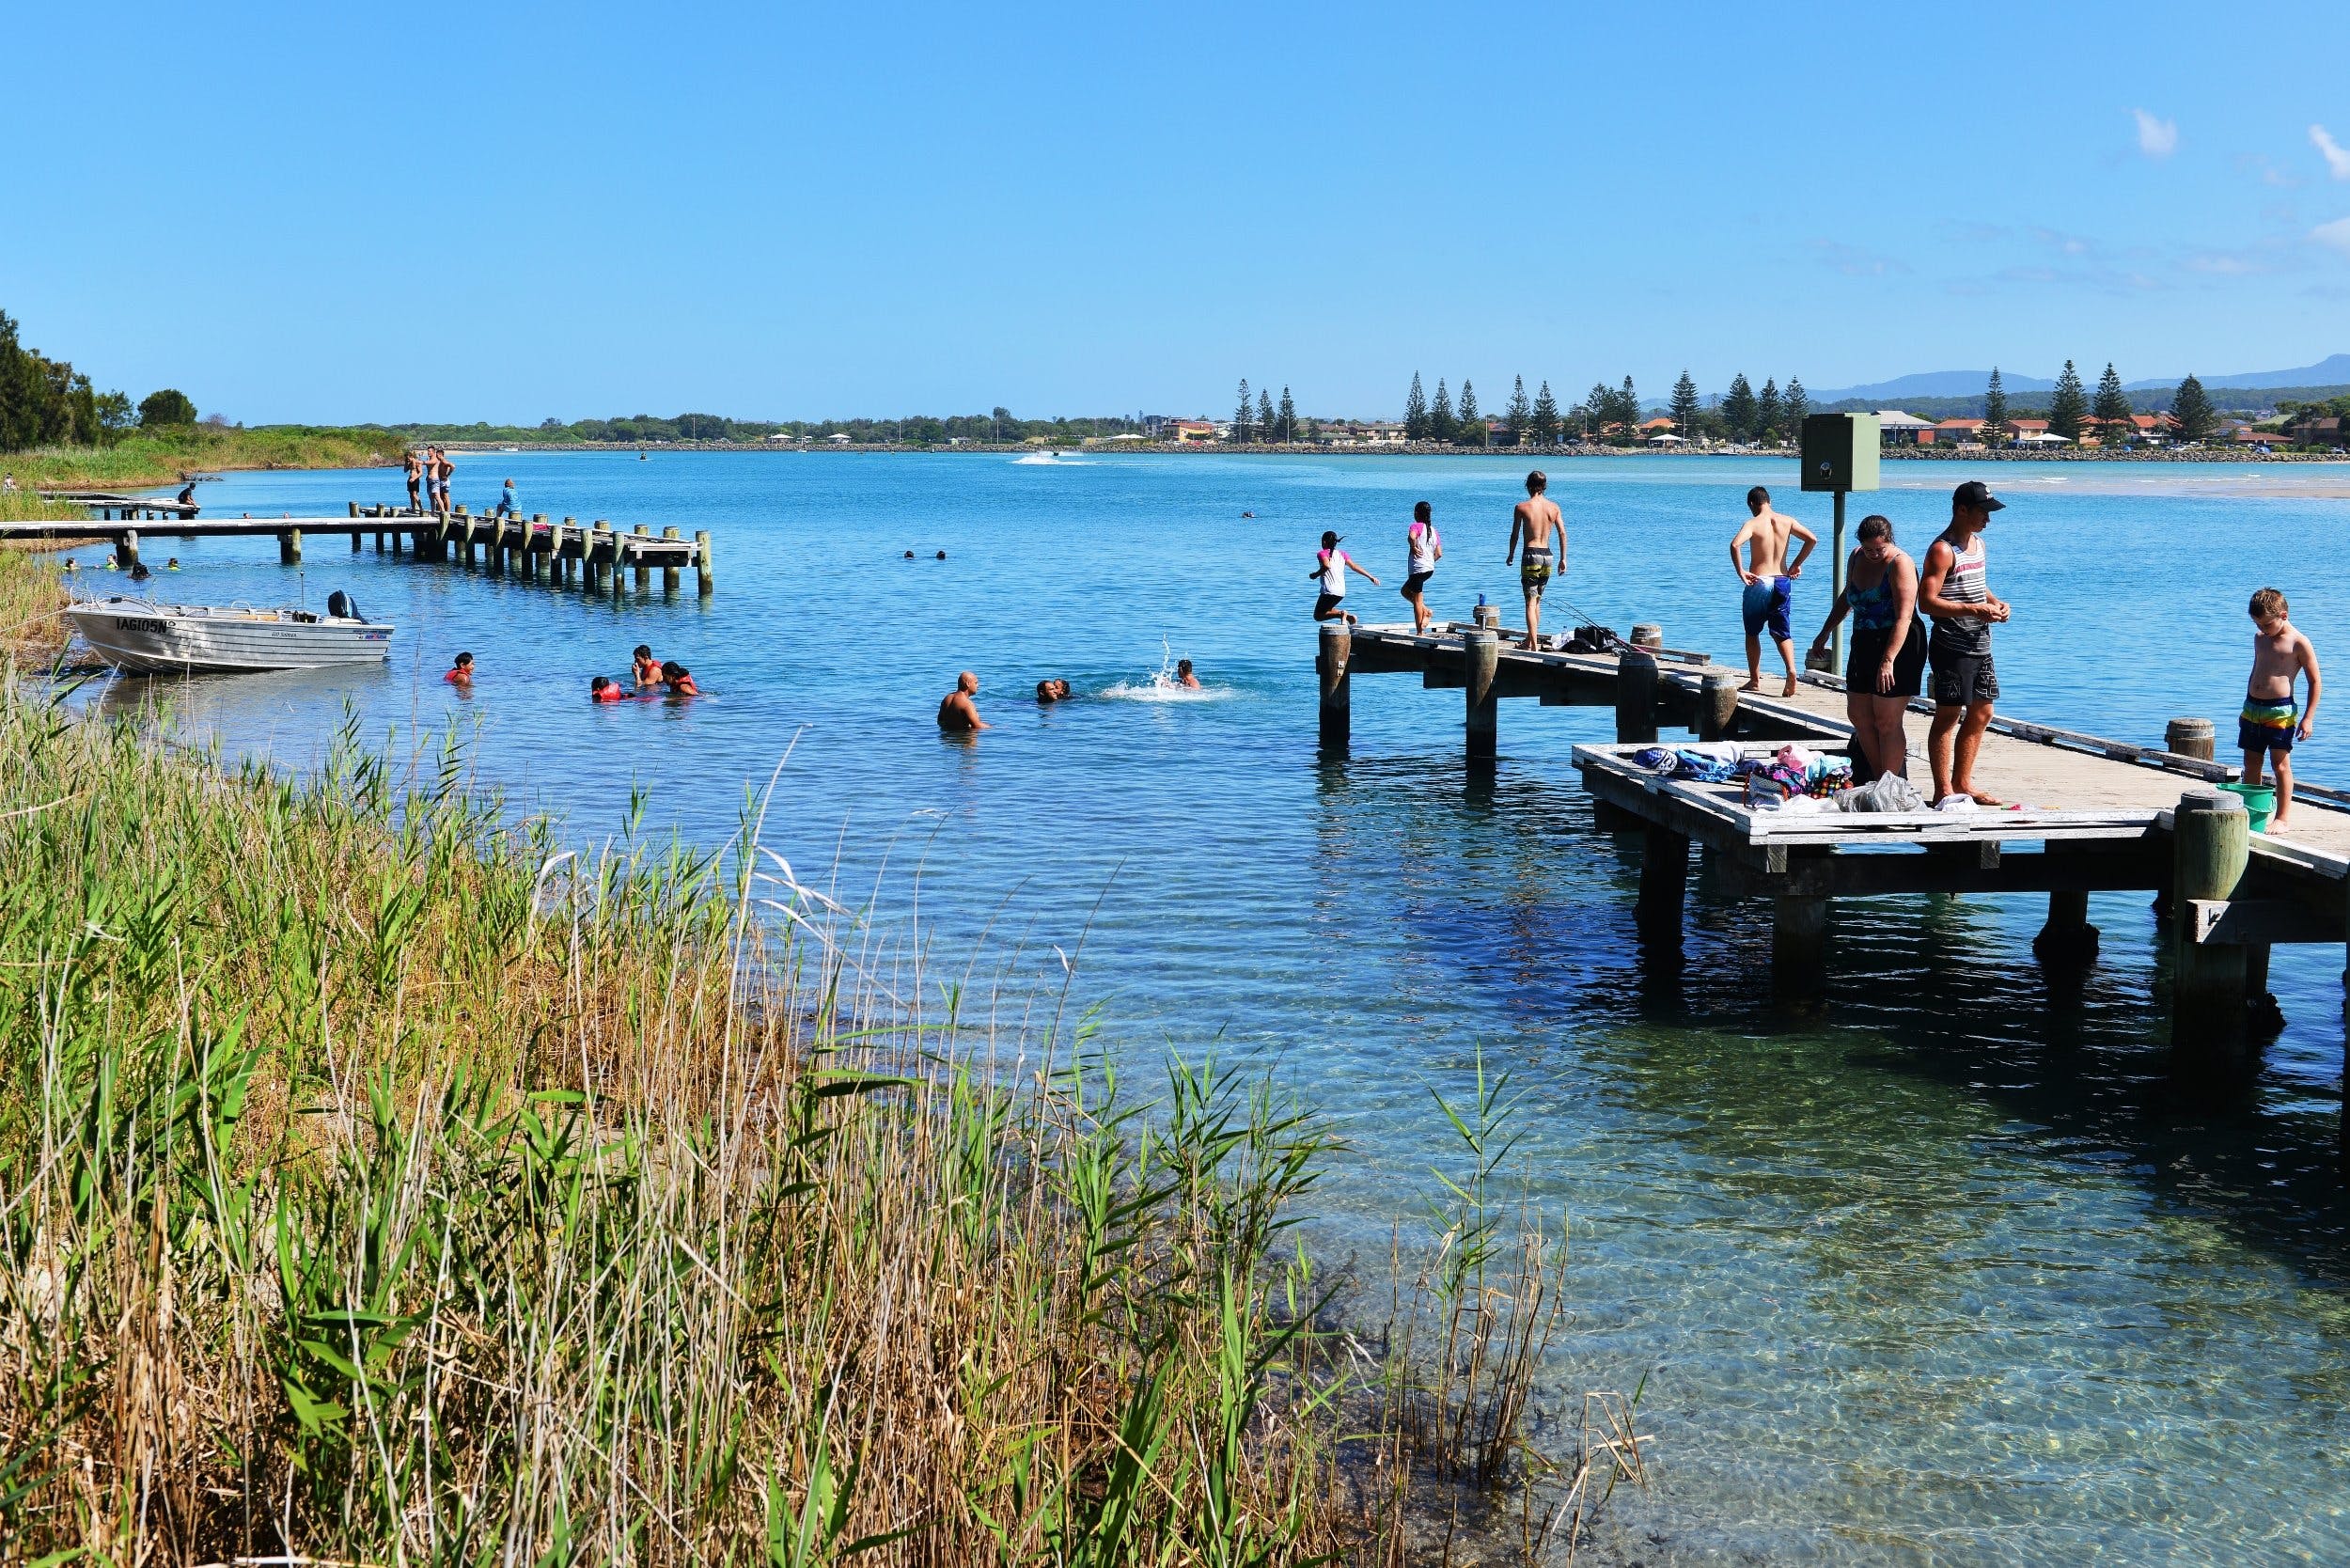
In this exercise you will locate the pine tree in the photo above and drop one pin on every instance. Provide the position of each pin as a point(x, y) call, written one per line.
point(1440, 426)
point(1472, 422)
point(1287, 429)
point(2068, 405)
point(1245, 416)
point(1684, 406)
point(1520, 415)
point(1416, 413)
point(1793, 404)
point(2192, 410)
point(2113, 409)
point(1994, 412)
point(1599, 406)
point(1265, 416)
point(1766, 414)
point(1738, 408)
point(1545, 418)
point(1628, 410)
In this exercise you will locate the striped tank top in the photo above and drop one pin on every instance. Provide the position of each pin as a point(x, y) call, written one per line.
point(1965, 585)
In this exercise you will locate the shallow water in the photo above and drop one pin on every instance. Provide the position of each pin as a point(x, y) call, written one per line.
point(1941, 1272)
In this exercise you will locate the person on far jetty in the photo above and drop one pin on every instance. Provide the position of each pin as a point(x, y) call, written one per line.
point(187, 499)
point(1049, 691)
point(605, 689)
point(1536, 517)
point(957, 713)
point(1422, 550)
point(1886, 665)
point(2266, 728)
point(1184, 676)
point(1769, 577)
point(508, 505)
point(437, 478)
point(415, 467)
point(1952, 591)
point(645, 668)
point(461, 672)
point(1330, 567)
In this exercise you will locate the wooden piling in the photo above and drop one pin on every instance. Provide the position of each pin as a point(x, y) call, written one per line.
point(2210, 845)
point(1337, 695)
point(1484, 648)
point(127, 549)
point(643, 573)
point(1717, 704)
point(1647, 633)
point(290, 547)
point(1488, 615)
point(1664, 884)
point(598, 557)
point(1798, 946)
point(668, 573)
point(2188, 737)
point(1635, 698)
point(702, 562)
point(2067, 940)
point(354, 506)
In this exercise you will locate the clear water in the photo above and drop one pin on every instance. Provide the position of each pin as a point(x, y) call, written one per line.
point(1943, 1272)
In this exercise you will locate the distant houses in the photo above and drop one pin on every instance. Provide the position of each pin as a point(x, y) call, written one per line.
point(2141, 429)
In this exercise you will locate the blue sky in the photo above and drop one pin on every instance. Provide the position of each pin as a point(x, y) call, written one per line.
point(504, 212)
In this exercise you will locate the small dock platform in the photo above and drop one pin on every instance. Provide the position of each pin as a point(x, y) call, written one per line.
point(109, 504)
point(2096, 815)
point(600, 558)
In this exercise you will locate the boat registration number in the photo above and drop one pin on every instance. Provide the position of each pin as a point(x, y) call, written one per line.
point(137, 623)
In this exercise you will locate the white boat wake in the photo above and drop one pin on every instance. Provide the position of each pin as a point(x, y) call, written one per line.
point(1047, 460)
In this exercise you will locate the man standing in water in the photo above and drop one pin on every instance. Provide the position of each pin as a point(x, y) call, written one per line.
point(1770, 579)
point(957, 713)
point(1537, 518)
point(1951, 591)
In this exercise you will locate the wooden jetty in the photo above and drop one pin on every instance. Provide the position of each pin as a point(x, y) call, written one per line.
point(108, 505)
point(600, 557)
point(2101, 815)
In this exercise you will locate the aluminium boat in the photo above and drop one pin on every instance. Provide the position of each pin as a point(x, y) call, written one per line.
point(142, 637)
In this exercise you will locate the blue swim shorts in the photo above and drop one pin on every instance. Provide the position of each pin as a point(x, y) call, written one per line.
point(1766, 606)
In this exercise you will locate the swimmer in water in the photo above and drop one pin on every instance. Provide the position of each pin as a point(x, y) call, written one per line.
point(460, 672)
point(1052, 690)
point(648, 669)
point(605, 689)
point(957, 713)
point(1183, 677)
point(679, 680)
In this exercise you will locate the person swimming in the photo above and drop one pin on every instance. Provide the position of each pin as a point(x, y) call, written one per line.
point(460, 672)
point(1183, 677)
point(1052, 690)
point(679, 680)
point(648, 669)
point(957, 713)
point(605, 689)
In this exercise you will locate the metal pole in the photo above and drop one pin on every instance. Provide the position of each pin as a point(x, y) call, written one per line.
point(1836, 645)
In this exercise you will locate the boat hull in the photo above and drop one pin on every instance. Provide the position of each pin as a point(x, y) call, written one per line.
point(150, 639)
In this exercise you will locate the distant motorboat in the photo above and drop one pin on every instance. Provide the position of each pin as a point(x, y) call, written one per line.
point(142, 637)
point(1038, 459)
point(509, 448)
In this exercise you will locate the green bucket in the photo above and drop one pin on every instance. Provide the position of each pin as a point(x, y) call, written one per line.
point(2259, 801)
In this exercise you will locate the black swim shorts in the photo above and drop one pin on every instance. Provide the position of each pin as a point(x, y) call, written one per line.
point(1416, 582)
point(1324, 603)
point(1963, 679)
point(1868, 651)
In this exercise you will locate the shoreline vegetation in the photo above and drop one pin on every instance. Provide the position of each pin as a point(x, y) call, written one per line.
point(383, 1180)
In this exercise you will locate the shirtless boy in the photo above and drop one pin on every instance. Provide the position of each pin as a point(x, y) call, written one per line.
point(2266, 728)
point(957, 713)
point(416, 480)
point(1770, 581)
point(1537, 518)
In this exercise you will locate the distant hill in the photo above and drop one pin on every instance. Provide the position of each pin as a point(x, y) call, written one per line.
point(2331, 372)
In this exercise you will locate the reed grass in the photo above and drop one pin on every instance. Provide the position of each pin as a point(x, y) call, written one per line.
point(152, 457)
point(382, 1181)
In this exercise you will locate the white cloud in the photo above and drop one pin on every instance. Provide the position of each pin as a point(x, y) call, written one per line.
point(2156, 139)
point(2337, 156)
point(2334, 235)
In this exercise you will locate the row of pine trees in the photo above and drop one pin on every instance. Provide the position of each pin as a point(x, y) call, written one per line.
point(1606, 412)
point(2072, 406)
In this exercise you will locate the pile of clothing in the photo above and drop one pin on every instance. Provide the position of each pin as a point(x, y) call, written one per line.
point(1794, 777)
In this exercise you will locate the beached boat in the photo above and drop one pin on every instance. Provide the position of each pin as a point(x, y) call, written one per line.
point(146, 638)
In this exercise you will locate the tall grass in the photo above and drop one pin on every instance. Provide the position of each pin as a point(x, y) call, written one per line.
point(151, 457)
point(32, 599)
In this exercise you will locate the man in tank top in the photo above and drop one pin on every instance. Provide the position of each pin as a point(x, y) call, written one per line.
point(1952, 591)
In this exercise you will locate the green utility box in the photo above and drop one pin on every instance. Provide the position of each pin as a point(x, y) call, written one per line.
point(1839, 451)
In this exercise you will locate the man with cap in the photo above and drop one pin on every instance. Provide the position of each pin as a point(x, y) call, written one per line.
point(1951, 592)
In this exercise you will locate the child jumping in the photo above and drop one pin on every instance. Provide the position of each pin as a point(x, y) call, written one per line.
point(2268, 727)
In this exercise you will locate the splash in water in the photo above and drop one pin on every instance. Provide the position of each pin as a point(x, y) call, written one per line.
point(1165, 686)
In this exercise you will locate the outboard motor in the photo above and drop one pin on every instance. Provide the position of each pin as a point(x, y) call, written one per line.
point(343, 606)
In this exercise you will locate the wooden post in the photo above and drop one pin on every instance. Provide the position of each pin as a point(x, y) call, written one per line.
point(354, 542)
point(643, 574)
point(2210, 845)
point(1635, 699)
point(702, 562)
point(1488, 615)
point(1799, 946)
point(1483, 649)
point(2188, 737)
point(1647, 633)
point(1717, 705)
point(1835, 587)
point(1330, 663)
point(668, 573)
point(127, 549)
point(354, 506)
point(1664, 884)
point(2068, 940)
point(290, 547)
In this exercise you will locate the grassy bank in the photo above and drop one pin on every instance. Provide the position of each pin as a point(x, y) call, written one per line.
point(160, 457)
point(383, 1183)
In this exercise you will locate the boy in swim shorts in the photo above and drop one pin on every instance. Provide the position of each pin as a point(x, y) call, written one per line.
point(2268, 726)
point(1536, 520)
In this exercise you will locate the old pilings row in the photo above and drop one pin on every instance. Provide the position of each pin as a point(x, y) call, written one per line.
point(595, 554)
